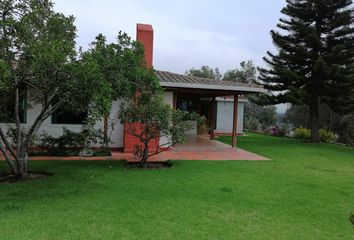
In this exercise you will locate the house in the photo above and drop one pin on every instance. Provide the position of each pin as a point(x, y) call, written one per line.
point(221, 102)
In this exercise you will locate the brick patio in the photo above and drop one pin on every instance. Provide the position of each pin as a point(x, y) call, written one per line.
point(195, 148)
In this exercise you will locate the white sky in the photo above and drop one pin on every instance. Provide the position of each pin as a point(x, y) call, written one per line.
point(187, 33)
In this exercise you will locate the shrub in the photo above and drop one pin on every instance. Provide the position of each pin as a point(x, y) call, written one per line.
point(327, 136)
point(12, 135)
point(253, 124)
point(283, 131)
point(278, 131)
point(302, 133)
point(64, 144)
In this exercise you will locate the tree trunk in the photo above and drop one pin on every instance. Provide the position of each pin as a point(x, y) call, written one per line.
point(315, 122)
point(145, 156)
point(21, 150)
point(105, 131)
point(22, 168)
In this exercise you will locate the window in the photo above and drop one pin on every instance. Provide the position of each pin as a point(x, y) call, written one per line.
point(64, 116)
point(188, 105)
point(7, 111)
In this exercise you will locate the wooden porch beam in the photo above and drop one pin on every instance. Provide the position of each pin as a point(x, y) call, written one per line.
point(234, 127)
point(174, 100)
point(212, 118)
point(203, 92)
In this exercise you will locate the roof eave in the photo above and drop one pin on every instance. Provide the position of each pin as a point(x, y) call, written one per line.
point(242, 89)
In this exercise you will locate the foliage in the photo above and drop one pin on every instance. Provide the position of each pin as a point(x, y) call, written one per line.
point(41, 57)
point(148, 117)
point(305, 134)
point(252, 124)
point(246, 74)
point(283, 131)
point(327, 136)
point(11, 134)
point(314, 63)
point(118, 63)
point(70, 139)
point(205, 72)
point(297, 116)
point(341, 124)
point(266, 116)
point(344, 126)
point(72, 143)
point(278, 131)
point(38, 53)
point(302, 133)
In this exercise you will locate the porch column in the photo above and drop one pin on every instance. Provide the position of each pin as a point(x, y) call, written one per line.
point(234, 126)
point(212, 119)
point(174, 100)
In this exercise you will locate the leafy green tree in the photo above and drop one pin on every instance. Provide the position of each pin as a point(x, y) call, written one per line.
point(245, 74)
point(265, 116)
point(341, 124)
point(118, 63)
point(314, 64)
point(148, 117)
point(205, 72)
point(37, 52)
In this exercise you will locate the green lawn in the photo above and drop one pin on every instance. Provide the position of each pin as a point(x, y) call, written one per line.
point(305, 192)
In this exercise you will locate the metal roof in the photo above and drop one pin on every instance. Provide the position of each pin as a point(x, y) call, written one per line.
point(173, 80)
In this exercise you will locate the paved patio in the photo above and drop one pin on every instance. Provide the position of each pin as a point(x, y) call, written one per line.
point(195, 148)
point(202, 148)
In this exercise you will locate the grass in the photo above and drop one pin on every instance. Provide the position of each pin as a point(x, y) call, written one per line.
point(305, 192)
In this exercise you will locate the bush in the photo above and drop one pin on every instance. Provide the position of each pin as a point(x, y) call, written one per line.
point(279, 131)
point(302, 133)
point(253, 124)
point(12, 135)
point(69, 143)
point(283, 131)
point(327, 136)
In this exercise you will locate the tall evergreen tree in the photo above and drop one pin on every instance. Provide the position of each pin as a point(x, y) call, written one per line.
point(314, 63)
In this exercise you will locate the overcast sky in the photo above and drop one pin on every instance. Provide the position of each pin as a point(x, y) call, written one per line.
point(188, 33)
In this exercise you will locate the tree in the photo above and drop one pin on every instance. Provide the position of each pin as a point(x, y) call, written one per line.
point(265, 116)
point(117, 63)
point(205, 72)
point(246, 74)
point(314, 64)
point(148, 117)
point(39, 61)
point(341, 124)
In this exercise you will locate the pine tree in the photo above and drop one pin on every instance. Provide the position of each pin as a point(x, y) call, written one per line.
point(314, 63)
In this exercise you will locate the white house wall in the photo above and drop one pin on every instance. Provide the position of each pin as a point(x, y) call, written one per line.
point(56, 130)
point(224, 120)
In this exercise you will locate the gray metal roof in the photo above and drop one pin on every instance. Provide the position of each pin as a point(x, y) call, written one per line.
point(173, 80)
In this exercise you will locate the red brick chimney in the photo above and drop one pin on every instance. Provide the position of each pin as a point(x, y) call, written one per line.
point(145, 35)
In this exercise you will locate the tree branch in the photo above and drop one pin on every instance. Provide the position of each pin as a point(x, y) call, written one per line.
point(7, 144)
point(7, 158)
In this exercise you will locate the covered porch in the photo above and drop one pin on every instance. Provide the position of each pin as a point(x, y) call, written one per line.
point(195, 94)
